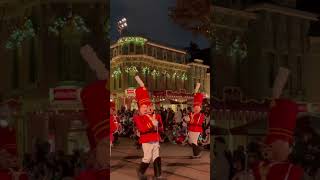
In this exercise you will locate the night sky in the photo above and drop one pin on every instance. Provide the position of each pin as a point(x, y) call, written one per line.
point(150, 19)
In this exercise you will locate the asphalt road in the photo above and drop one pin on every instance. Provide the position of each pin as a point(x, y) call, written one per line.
point(176, 162)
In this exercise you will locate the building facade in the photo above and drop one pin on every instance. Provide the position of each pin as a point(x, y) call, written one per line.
point(165, 71)
point(47, 56)
point(274, 34)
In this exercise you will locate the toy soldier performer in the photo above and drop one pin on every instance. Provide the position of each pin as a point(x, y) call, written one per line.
point(95, 102)
point(282, 121)
point(149, 133)
point(9, 168)
point(195, 121)
point(113, 121)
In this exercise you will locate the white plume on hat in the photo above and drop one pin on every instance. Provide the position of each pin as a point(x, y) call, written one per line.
point(280, 82)
point(94, 62)
point(197, 88)
point(139, 81)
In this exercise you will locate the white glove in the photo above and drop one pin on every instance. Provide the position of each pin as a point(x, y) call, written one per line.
point(187, 118)
point(154, 120)
point(155, 123)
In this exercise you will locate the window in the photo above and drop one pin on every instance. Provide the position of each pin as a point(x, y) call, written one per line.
point(164, 55)
point(159, 54)
point(299, 73)
point(119, 81)
point(15, 69)
point(272, 63)
point(131, 48)
point(32, 63)
point(139, 49)
point(150, 50)
point(125, 49)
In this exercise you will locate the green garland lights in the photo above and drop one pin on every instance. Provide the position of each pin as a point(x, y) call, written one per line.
point(116, 73)
point(155, 73)
point(165, 73)
point(131, 69)
point(145, 70)
point(61, 22)
point(19, 35)
point(238, 49)
point(135, 40)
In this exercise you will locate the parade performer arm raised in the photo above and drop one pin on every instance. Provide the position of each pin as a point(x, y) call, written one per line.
point(95, 101)
point(149, 136)
point(282, 122)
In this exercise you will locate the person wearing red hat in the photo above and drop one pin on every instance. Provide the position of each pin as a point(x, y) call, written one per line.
point(282, 122)
point(9, 167)
point(147, 125)
point(95, 102)
point(195, 121)
point(113, 121)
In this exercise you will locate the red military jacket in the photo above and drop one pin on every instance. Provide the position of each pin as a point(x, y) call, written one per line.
point(113, 124)
point(278, 171)
point(91, 174)
point(195, 123)
point(148, 133)
point(6, 175)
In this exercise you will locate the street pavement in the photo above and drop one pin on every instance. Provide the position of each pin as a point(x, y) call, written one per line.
point(176, 162)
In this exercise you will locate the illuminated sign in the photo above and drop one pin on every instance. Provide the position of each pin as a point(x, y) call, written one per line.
point(134, 40)
point(65, 94)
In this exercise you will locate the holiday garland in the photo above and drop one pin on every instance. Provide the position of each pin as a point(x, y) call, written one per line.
point(135, 40)
point(237, 49)
point(116, 73)
point(147, 70)
point(61, 22)
point(131, 69)
point(155, 73)
point(19, 35)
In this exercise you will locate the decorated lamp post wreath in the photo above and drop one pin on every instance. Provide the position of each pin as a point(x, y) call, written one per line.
point(148, 127)
point(282, 122)
point(195, 121)
point(96, 104)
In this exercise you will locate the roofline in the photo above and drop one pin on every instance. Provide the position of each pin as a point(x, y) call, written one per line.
point(154, 44)
point(283, 10)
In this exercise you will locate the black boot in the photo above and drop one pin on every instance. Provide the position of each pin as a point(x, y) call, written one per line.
point(142, 169)
point(196, 151)
point(157, 168)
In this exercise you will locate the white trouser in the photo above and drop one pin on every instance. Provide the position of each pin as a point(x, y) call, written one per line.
point(193, 137)
point(150, 151)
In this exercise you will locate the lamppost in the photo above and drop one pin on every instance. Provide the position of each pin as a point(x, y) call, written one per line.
point(122, 24)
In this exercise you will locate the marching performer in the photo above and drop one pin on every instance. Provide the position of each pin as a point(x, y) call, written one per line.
point(149, 133)
point(9, 167)
point(195, 121)
point(113, 122)
point(95, 101)
point(282, 122)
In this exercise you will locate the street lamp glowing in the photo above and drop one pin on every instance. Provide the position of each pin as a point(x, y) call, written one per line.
point(122, 24)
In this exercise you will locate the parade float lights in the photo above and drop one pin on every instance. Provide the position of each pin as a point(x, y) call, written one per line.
point(135, 40)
